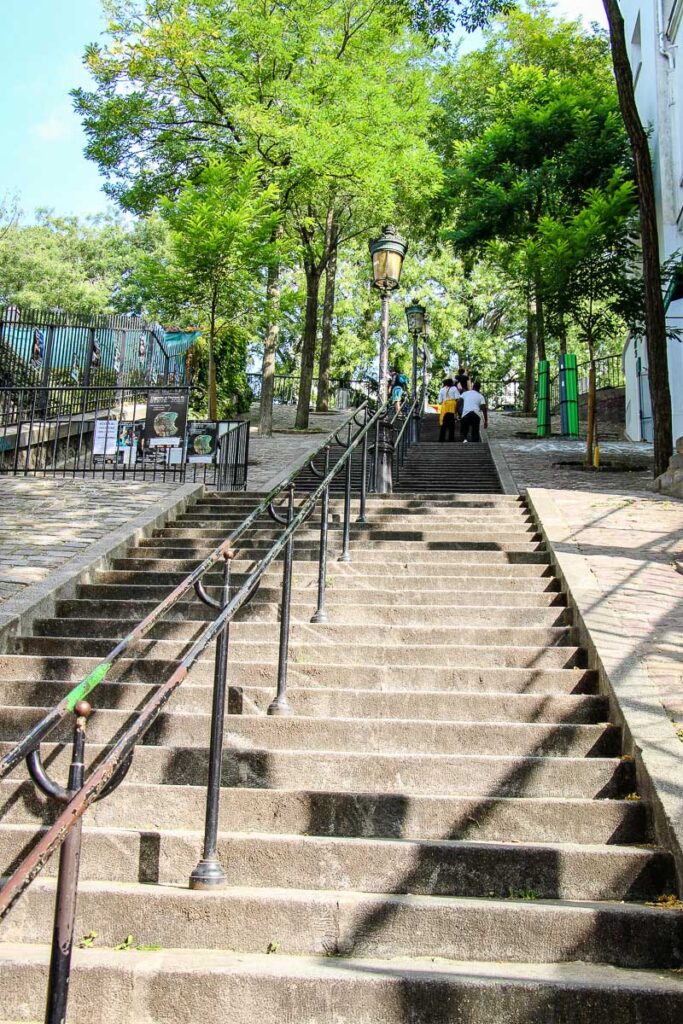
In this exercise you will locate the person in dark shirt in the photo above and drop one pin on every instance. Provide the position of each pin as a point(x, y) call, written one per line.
point(461, 378)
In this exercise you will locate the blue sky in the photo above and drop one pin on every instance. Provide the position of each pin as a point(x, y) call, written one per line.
point(41, 49)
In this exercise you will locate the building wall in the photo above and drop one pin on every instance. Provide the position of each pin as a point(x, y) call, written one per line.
point(653, 26)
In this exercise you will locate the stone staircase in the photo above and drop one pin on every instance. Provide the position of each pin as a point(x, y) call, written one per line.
point(445, 832)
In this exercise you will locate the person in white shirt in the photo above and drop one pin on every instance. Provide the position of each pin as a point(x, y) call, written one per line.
point(448, 400)
point(472, 408)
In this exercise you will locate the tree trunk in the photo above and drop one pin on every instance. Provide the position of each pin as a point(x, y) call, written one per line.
point(213, 402)
point(530, 369)
point(655, 319)
point(590, 426)
point(540, 322)
point(270, 347)
point(323, 402)
point(562, 329)
point(313, 273)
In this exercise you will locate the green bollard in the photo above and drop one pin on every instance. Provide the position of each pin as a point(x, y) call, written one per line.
point(543, 399)
point(572, 394)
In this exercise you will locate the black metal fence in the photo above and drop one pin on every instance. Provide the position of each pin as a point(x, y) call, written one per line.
point(103, 432)
point(344, 393)
point(609, 373)
point(54, 349)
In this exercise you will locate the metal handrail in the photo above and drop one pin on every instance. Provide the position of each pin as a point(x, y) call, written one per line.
point(122, 749)
point(82, 690)
point(80, 793)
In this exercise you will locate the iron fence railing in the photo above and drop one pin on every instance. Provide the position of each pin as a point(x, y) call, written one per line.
point(106, 432)
point(609, 373)
point(343, 394)
point(110, 770)
point(52, 349)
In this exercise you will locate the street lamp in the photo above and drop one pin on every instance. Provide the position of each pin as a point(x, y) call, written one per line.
point(387, 252)
point(416, 317)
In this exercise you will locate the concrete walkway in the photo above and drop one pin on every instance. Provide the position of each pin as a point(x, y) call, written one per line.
point(626, 539)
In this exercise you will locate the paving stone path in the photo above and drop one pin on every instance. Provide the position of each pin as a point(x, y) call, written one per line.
point(631, 538)
point(540, 462)
point(45, 522)
point(631, 545)
point(271, 458)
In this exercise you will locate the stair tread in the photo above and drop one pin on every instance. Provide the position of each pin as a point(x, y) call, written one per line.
point(202, 961)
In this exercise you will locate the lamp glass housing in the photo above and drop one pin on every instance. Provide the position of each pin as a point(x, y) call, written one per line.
point(415, 315)
point(388, 252)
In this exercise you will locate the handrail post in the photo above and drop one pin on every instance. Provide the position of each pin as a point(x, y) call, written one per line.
point(280, 706)
point(67, 885)
point(346, 555)
point(320, 613)
point(375, 457)
point(364, 474)
point(209, 873)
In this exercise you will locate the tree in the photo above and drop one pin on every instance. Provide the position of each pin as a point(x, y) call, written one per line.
point(586, 272)
point(439, 17)
point(526, 125)
point(329, 96)
point(655, 317)
point(220, 231)
point(71, 264)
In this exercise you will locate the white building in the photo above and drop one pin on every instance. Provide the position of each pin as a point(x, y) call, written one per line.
point(654, 29)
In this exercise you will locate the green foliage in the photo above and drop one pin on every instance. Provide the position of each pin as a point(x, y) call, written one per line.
point(219, 239)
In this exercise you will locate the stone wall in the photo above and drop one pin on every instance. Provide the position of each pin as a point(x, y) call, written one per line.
point(671, 482)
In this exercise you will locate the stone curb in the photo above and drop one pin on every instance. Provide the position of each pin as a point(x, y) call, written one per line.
point(507, 480)
point(39, 600)
point(648, 733)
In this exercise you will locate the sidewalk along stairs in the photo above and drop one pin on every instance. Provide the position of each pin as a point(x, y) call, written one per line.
point(446, 831)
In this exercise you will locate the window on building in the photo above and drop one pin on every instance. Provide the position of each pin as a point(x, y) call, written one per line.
point(636, 51)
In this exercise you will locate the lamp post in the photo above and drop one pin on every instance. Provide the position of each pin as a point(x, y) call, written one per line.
point(387, 252)
point(416, 317)
point(426, 361)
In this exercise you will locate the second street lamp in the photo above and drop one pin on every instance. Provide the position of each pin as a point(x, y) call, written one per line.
point(416, 317)
point(388, 252)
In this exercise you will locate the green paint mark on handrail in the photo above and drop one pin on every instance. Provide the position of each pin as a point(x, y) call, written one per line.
point(81, 691)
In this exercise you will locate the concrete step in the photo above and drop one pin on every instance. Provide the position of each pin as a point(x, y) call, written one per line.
point(373, 815)
point(382, 677)
point(423, 867)
point(348, 923)
point(352, 771)
point(361, 535)
point(388, 736)
point(343, 604)
point(172, 560)
point(438, 517)
point(321, 656)
point(365, 550)
point(333, 702)
point(327, 634)
point(340, 593)
point(464, 574)
point(318, 990)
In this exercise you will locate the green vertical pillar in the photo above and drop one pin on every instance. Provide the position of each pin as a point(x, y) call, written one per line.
point(571, 394)
point(543, 399)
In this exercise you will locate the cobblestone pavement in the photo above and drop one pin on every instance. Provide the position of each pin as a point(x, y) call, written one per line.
point(44, 522)
point(270, 458)
point(632, 544)
point(541, 462)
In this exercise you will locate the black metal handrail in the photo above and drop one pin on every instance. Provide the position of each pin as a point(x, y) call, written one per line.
point(65, 833)
point(402, 439)
point(82, 690)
